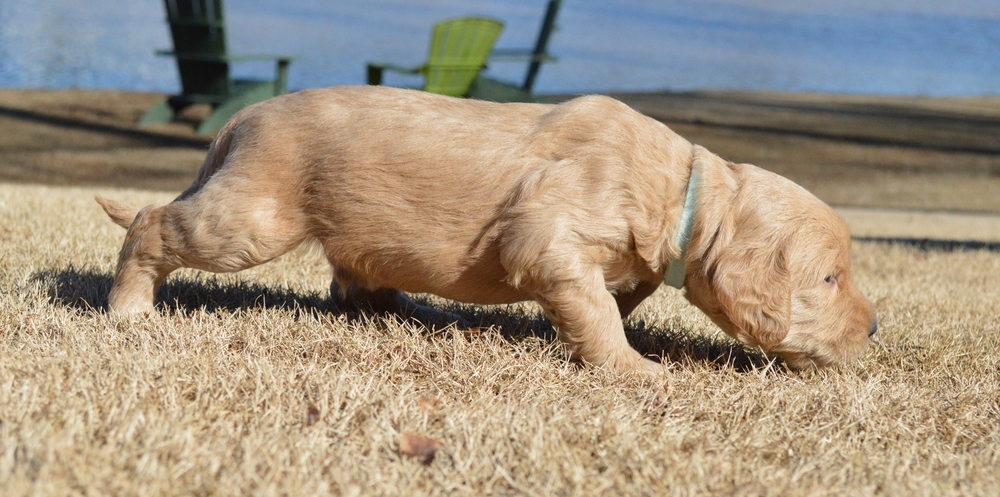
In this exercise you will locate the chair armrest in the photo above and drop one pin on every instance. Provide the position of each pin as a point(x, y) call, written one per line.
point(244, 58)
point(223, 58)
point(281, 69)
point(518, 55)
point(395, 68)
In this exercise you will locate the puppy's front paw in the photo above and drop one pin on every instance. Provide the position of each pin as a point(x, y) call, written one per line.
point(651, 368)
point(128, 306)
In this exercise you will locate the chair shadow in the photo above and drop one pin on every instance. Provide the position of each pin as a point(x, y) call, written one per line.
point(150, 138)
point(86, 290)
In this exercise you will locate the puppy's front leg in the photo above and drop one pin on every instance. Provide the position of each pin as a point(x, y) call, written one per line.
point(588, 321)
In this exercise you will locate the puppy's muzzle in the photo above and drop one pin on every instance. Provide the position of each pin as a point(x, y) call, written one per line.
point(874, 329)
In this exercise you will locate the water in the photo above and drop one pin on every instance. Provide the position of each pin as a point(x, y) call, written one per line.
point(908, 47)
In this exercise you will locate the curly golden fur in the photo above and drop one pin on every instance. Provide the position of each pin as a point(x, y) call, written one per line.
point(574, 205)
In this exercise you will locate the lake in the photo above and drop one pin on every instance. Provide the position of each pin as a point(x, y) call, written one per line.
point(905, 47)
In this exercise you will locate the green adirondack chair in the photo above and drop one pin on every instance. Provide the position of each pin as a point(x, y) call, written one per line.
point(459, 48)
point(199, 33)
point(485, 88)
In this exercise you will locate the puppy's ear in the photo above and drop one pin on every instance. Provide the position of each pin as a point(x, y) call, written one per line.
point(753, 287)
point(121, 214)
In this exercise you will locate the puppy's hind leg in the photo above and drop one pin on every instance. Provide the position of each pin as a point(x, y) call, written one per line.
point(141, 264)
point(221, 229)
point(349, 295)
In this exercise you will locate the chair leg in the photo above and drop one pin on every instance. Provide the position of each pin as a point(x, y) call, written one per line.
point(160, 113)
point(375, 74)
point(281, 79)
point(219, 116)
point(225, 110)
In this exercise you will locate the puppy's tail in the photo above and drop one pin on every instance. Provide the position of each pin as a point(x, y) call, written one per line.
point(218, 152)
point(121, 214)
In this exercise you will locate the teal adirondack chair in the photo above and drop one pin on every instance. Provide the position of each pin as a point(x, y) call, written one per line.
point(486, 88)
point(199, 33)
point(459, 48)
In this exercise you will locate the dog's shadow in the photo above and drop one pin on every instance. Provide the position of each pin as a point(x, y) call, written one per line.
point(86, 290)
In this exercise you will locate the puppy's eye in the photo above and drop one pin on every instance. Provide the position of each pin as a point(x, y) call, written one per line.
point(830, 279)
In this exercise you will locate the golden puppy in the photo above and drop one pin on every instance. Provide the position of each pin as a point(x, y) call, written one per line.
point(579, 206)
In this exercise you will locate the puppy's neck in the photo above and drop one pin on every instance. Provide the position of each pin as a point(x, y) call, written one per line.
point(676, 272)
point(718, 185)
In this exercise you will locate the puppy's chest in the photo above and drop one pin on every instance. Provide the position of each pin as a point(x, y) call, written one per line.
point(623, 271)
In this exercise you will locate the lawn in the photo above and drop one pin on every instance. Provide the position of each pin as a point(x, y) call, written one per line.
point(253, 384)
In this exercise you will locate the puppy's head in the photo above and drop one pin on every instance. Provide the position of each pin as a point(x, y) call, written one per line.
point(776, 274)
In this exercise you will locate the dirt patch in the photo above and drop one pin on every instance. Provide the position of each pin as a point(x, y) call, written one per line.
point(71, 137)
point(856, 151)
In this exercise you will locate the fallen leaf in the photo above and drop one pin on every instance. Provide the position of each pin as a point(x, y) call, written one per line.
point(413, 445)
point(659, 399)
point(312, 415)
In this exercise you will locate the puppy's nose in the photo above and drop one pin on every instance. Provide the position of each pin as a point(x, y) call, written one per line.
point(874, 329)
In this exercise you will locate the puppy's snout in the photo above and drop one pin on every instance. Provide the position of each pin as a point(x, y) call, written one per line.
point(874, 329)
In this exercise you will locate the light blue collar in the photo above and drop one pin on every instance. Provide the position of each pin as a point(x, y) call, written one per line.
point(675, 274)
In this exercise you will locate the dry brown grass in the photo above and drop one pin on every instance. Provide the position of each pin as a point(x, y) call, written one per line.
point(252, 384)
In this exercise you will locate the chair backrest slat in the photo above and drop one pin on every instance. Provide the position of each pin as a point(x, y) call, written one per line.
point(198, 29)
point(459, 48)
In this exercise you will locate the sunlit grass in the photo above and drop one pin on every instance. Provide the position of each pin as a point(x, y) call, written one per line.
point(254, 384)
